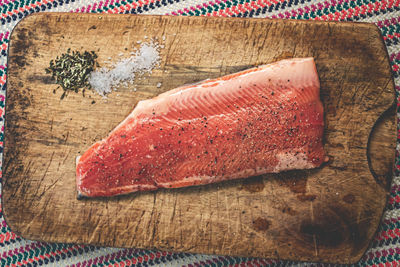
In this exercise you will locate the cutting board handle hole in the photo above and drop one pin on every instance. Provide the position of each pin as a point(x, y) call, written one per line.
point(380, 153)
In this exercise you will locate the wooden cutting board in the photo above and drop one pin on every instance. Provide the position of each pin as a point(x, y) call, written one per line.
point(328, 214)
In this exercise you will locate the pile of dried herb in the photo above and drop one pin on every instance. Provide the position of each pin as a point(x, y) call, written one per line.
point(72, 70)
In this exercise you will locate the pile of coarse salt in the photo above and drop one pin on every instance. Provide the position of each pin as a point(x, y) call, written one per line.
point(104, 80)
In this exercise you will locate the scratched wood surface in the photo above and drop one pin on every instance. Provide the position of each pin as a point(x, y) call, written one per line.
point(328, 214)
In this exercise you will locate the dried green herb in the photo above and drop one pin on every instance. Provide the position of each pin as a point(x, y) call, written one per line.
point(72, 70)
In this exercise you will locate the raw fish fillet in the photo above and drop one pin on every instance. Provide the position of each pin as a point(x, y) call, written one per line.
point(267, 119)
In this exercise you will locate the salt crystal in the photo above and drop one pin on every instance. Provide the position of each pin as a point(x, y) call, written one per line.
point(159, 85)
point(163, 37)
point(104, 80)
point(120, 54)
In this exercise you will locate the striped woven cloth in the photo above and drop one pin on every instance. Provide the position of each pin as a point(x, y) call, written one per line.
point(15, 251)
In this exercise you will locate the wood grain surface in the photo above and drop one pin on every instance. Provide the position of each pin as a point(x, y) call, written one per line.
point(328, 214)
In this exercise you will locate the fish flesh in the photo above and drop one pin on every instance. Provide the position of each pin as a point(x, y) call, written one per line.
point(266, 119)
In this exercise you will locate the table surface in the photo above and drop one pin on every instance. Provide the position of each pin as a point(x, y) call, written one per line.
point(385, 14)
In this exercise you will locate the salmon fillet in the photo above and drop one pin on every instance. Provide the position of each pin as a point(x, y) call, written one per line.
point(267, 119)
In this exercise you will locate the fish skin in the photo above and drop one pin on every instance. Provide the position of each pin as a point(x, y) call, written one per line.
point(262, 120)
